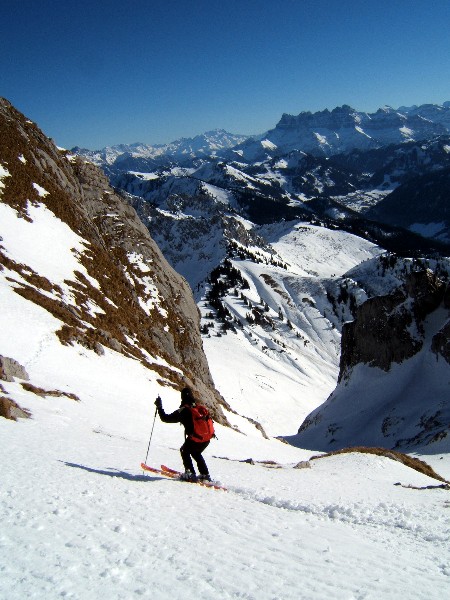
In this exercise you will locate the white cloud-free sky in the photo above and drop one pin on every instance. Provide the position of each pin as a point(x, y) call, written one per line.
point(98, 73)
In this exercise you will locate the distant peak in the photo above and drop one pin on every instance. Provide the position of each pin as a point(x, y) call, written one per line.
point(345, 108)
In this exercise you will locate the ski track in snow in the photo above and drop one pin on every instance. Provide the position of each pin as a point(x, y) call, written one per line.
point(379, 516)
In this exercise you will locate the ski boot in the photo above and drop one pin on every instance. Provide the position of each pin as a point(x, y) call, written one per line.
point(188, 476)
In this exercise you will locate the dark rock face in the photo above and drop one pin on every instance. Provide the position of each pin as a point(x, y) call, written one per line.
point(387, 329)
point(120, 255)
point(427, 292)
point(394, 374)
point(441, 343)
point(378, 336)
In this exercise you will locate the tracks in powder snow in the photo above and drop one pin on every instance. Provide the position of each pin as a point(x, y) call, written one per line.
point(382, 515)
point(379, 516)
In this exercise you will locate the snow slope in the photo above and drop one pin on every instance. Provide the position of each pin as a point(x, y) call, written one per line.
point(277, 374)
point(80, 519)
point(317, 251)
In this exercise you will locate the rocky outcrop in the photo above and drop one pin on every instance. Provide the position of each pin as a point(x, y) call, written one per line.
point(9, 409)
point(389, 329)
point(394, 374)
point(440, 344)
point(10, 369)
point(145, 310)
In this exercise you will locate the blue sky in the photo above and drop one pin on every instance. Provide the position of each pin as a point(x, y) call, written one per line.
point(100, 72)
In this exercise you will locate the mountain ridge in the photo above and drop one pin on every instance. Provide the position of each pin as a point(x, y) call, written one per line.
point(325, 133)
point(220, 139)
point(205, 144)
point(277, 176)
point(118, 292)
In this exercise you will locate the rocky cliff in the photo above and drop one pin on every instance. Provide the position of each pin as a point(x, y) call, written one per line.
point(124, 295)
point(394, 373)
point(390, 329)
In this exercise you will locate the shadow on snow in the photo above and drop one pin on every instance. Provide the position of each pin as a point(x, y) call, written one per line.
point(113, 473)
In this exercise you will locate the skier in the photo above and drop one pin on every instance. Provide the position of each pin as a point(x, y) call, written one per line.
point(191, 449)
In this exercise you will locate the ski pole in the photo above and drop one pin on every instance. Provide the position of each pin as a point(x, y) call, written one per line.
point(151, 435)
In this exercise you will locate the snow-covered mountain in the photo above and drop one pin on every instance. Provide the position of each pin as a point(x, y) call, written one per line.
point(355, 159)
point(119, 156)
point(203, 217)
point(280, 295)
point(343, 129)
point(436, 113)
point(395, 362)
point(323, 133)
point(421, 204)
point(276, 292)
point(297, 187)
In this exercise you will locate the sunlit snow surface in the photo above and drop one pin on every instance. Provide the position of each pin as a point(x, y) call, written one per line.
point(45, 243)
point(316, 251)
point(80, 520)
point(278, 377)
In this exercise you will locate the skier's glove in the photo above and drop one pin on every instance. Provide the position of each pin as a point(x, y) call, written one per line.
point(158, 402)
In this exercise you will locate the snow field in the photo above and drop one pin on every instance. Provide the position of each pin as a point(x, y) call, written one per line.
point(80, 520)
point(277, 377)
point(317, 251)
point(54, 247)
point(262, 385)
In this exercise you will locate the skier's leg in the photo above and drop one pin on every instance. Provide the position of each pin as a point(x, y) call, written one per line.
point(196, 452)
point(185, 452)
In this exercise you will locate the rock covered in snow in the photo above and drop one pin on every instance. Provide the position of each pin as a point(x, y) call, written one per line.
point(389, 328)
point(10, 369)
point(342, 129)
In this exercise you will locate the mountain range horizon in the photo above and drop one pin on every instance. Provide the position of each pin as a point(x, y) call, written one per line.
point(405, 109)
point(217, 220)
